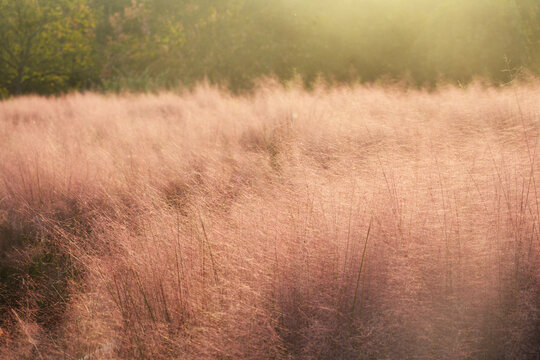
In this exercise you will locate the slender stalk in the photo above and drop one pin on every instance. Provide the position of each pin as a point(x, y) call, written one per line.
point(209, 248)
point(361, 266)
point(28, 336)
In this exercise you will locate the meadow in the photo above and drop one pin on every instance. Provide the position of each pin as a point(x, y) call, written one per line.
point(361, 222)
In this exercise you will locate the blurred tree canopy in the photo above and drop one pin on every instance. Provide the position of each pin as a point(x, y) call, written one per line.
point(46, 46)
point(51, 46)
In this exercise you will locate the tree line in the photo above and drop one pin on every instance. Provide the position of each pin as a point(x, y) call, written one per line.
point(53, 46)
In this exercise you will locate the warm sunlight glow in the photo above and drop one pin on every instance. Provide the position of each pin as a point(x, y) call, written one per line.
point(331, 224)
point(269, 179)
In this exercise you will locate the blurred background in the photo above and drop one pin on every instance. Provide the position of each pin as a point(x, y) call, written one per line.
point(53, 46)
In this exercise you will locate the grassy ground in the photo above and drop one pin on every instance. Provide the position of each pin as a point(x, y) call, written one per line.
point(337, 224)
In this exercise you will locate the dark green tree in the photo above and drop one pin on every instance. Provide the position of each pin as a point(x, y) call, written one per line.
point(46, 46)
point(141, 40)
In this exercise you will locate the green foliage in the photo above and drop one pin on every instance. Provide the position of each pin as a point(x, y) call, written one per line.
point(529, 16)
point(49, 46)
point(144, 40)
point(46, 46)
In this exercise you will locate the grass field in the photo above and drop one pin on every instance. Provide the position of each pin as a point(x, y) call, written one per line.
point(343, 223)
